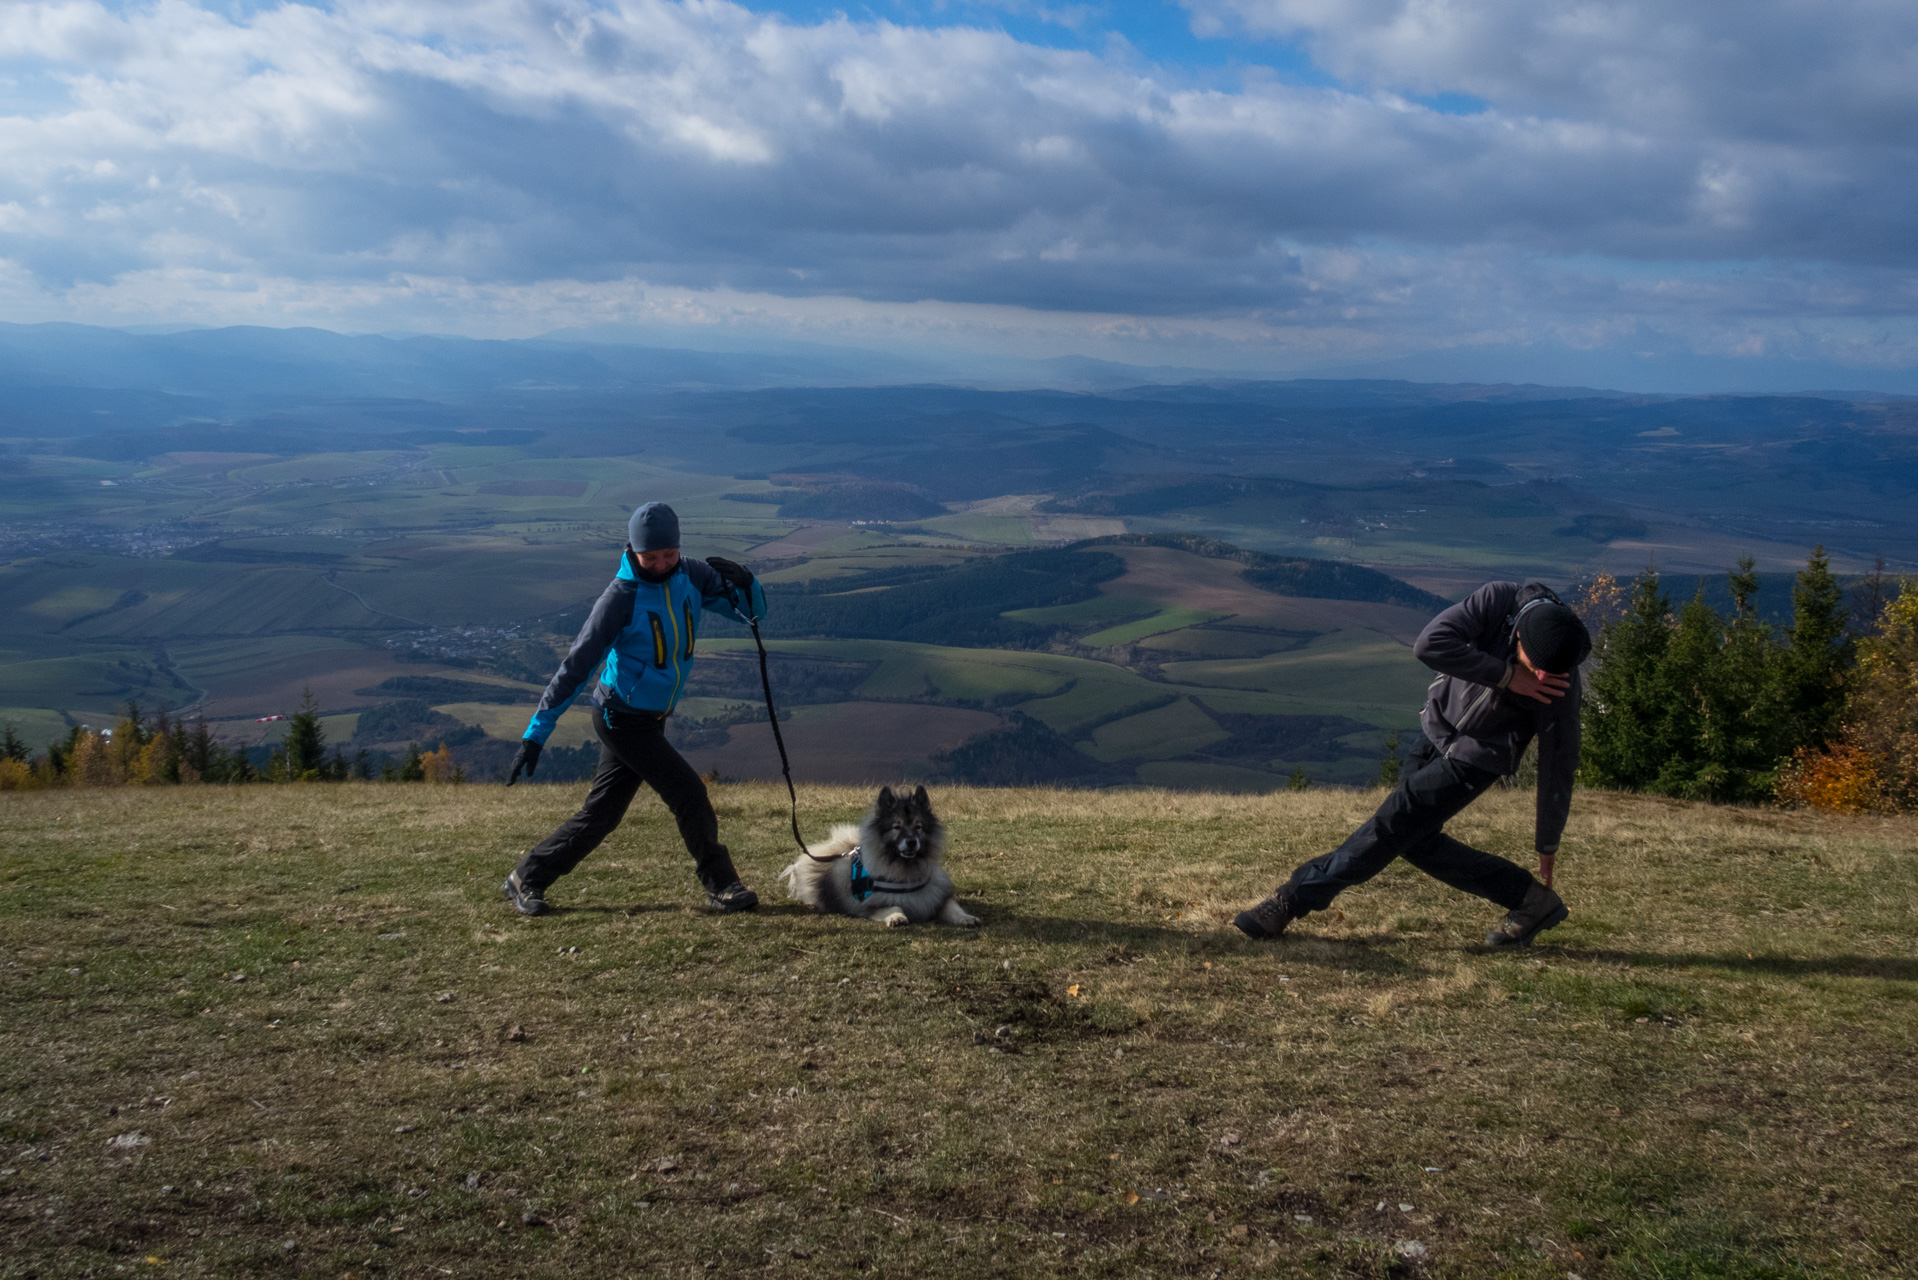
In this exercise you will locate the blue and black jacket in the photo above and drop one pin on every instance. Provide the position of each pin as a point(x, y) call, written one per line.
point(639, 640)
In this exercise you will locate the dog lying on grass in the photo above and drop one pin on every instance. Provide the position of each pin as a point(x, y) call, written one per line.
point(888, 868)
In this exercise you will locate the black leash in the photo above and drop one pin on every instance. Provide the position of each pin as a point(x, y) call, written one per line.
point(772, 715)
point(779, 740)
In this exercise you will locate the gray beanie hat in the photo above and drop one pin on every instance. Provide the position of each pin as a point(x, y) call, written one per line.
point(654, 527)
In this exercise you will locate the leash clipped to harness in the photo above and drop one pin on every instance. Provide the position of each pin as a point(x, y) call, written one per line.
point(864, 884)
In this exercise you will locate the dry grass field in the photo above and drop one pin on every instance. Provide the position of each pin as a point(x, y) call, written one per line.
point(295, 1032)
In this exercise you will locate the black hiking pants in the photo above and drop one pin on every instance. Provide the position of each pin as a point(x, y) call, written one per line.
point(633, 749)
point(1410, 825)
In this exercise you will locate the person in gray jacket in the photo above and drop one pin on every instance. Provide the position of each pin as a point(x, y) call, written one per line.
point(1507, 658)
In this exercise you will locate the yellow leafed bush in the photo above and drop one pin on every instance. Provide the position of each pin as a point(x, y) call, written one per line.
point(1842, 778)
point(150, 767)
point(439, 766)
point(1873, 764)
point(96, 763)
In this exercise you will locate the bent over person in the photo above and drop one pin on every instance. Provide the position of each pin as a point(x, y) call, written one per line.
point(638, 641)
point(1507, 657)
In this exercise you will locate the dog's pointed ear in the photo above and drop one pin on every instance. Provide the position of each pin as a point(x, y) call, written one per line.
point(886, 799)
point(920, 798)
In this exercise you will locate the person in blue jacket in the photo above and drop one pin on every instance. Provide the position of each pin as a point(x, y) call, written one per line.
point(638, 641)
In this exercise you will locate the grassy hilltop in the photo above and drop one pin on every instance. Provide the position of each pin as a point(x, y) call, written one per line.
point(293, 1031)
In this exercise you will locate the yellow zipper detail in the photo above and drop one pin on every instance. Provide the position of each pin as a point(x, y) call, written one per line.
point(679, 670)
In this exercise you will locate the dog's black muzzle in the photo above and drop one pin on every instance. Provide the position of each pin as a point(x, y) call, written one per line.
point(910, 847)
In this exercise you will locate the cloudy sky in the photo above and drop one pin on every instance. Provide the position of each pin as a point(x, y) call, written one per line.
point(1701, 193)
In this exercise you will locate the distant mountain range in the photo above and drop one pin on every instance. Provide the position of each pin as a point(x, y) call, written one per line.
point(244, 365)
point(1782, 470)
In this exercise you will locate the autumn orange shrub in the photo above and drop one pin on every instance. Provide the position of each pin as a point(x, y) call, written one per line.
point(1843, 778)
point(439, 766)
point(96, 763)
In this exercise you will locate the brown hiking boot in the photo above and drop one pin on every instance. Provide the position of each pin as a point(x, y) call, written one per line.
point(1541, 910)
point(1267, 919)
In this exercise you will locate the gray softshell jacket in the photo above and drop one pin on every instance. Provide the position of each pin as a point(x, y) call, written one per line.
point(1472, 717)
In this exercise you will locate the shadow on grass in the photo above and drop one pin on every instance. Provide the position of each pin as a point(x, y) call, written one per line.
point(782, 909)
point(1146, 938)
point(1893, 967)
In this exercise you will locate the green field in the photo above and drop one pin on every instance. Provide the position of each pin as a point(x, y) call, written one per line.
point(293, 1031)
point(37, 726)
point(1007, 531)
point(1368, 674)
point(1133, 632)
point(1100, 611)
point(1227, 642)
point(1162, 733)
point(575, 728)
point(102, 679)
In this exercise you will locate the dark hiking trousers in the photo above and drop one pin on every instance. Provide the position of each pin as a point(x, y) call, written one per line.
point(1410, 825)
point(633, 749)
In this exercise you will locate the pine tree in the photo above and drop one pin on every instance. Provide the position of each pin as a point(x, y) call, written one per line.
point(1389, 763)
point(177, 742)
point(60, 754)
point(1298, 781)
point(1869, 596)
point(130, 737)
point(11, 747)
point(1810, 686)
point(305, 742)
point(412, 770)
point(1625, 704)
point(202, 754)
point(1684, 680)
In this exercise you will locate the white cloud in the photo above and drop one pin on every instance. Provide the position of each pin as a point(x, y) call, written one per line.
point(511, 165)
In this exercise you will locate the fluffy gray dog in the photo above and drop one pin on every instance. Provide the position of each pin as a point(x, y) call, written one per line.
point(887, 868)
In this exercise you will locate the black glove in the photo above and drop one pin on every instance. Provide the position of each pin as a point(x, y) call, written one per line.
point(527, 759)
point(732, 571)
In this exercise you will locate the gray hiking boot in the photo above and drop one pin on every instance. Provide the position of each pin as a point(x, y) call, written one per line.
point(526, 900)
point(1541, 910)
point(1267, 919)
point(717, 876)
point(734, 897)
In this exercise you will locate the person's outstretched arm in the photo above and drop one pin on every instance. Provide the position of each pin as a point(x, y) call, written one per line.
point(611, 614)
point(728, 588)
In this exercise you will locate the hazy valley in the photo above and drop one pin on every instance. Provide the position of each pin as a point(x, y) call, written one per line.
point(1112, 584)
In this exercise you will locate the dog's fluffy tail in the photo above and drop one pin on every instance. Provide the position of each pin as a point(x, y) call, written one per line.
point(803, 878)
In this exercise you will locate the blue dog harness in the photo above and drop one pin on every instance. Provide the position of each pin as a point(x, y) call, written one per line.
point(864, 886)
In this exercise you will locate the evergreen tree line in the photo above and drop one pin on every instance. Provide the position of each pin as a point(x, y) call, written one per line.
point(1725, 707)
point(158, 750)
